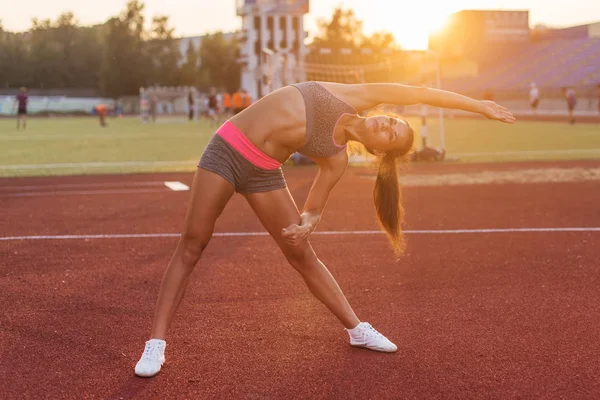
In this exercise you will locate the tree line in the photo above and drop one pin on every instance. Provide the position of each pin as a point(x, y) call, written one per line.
point(118, 57)
point(115, 58)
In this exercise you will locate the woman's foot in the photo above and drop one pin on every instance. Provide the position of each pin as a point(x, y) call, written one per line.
point(364, 335)
point(152, 358)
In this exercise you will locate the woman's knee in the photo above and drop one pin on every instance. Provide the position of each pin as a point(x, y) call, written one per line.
point(192, 246)
point(301, 257)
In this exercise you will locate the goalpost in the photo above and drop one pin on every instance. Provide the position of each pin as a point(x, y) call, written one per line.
point(365, 65)
point(167, 100)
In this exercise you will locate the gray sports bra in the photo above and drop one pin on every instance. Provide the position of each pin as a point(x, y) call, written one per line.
point(323, 110)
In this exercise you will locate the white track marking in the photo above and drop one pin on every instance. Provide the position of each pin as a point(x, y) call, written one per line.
point(80, 185)
point(177, 186)
point(82, 192)
point(324, 233)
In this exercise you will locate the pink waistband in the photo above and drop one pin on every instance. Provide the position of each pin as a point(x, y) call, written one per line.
point(232, 135)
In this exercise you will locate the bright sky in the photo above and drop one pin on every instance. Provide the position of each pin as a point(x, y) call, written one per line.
point(409, 24)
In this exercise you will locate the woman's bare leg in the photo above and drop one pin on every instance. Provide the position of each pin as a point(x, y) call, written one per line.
point(210, 194)
point(277, 210)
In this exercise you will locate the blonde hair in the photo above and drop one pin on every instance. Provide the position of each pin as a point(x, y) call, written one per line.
point(387, 194)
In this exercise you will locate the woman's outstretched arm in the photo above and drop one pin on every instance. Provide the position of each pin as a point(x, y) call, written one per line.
point(369, 95)
point(408, 95)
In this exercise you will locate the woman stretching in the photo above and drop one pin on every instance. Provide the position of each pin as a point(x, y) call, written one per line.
point(245, 156)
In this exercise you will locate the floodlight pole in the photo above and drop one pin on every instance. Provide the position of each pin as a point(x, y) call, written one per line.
point(269, 66)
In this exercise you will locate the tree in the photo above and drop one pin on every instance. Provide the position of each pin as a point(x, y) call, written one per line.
point(125, 67)
point(57, 54)
point(44, 55)
point(4, 62)
point(379, 41)
point(163, 52)
point(86, 60)
point(345, 30)
point(218, 63)
point(189, 69)
point(117, 57)
point(14, 60)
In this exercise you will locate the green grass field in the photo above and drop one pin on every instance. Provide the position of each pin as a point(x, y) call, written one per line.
point(60, 146)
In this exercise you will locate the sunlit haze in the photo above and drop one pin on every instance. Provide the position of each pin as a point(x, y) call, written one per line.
point(410, 22)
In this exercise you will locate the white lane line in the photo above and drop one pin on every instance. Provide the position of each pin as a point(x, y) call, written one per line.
point(326, 233)
point(82, 192)
point(81, 185)
point(177, 186)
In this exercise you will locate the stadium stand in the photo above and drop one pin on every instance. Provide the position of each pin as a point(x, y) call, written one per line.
point(510, 55)
point(552, 64)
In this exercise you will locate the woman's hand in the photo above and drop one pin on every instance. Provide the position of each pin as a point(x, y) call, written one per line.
point(296, 234)
point(496, 111)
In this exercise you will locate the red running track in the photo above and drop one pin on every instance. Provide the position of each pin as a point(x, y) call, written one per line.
point(475, 315)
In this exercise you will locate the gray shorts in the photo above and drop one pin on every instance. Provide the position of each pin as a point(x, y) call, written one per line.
point(222, 159)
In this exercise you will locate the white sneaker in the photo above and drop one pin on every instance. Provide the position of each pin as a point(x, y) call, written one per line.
point(364, 335)
point(152, 359)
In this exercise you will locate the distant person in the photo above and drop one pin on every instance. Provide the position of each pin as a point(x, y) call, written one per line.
point(213, 107)
point(237, 102)
point(226, 106)
point(534, 97)
point(571, 99)
point(119, 109)
point(246, 99)
point(21, 102)
point(102, 111)
point(152, 104)
point(190, 101)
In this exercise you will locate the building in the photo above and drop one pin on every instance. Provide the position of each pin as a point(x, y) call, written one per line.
point(496, 51)
point(272, 43)
point(587, 31)
point(470, 34)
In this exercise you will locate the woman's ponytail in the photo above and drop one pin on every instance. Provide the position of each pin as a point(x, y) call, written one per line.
point(388, 202)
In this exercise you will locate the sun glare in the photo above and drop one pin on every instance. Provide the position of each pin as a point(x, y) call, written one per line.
point(410, 26)
point(413, 33)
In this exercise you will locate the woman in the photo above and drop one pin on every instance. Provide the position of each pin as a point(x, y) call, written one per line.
point(246, 154)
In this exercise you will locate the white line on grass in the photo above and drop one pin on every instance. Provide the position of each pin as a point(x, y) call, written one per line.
point(97, 164)
point(174, 163)
point(326, 233)
point(526, 152)
point(54, 138)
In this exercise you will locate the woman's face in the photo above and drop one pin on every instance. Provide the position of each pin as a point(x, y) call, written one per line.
point(385, 133)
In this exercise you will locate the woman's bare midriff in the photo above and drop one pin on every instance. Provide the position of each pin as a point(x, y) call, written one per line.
point(275, 124)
